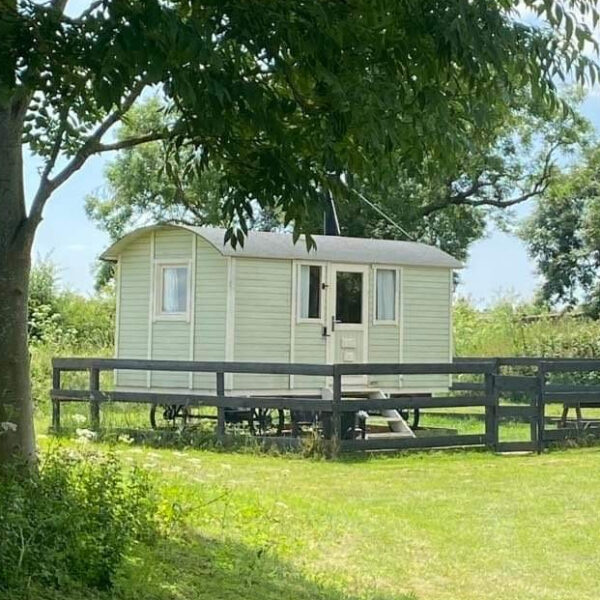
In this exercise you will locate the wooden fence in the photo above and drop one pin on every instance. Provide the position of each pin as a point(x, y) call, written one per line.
point(536, 391)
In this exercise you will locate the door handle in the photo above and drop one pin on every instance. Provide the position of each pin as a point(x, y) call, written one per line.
point(333, 322)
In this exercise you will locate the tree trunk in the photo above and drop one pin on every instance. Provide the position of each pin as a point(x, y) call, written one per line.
point(17, 436)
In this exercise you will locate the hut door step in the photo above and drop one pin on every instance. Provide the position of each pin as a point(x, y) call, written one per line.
point(394, 420)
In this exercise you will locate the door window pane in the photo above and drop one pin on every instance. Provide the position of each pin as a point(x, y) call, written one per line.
point(386, 295)
point(348, 301)
point(174, 290)
point(310, 292)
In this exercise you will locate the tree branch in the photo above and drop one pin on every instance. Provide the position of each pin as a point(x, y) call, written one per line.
point(55, 150)
point(464, 198)
point(90, 9)
point(91, 146)
point(59, 5)
point(130, 142)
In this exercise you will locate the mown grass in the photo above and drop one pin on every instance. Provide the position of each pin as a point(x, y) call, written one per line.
point(429, 526)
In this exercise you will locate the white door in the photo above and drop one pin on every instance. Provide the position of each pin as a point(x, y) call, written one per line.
point(348, 308)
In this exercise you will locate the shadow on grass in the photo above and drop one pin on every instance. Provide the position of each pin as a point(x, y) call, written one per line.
point(196, 568)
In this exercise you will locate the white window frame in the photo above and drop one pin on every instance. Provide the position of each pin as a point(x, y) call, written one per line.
point(159, 267)
point(397, 299)
point(321, 318)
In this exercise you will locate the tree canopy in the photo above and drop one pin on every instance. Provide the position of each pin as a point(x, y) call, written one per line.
point(448, 207)
point(281, 98)
point(563, 236)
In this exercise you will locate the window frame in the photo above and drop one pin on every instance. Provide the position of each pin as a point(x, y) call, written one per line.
point(321, 318)
point(397, 298)
point(159, 267)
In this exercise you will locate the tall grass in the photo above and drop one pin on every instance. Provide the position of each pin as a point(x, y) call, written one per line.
point(507, 329)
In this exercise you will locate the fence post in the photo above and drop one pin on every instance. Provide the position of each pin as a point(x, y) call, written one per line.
point(336, 415)
point(220, 409)
point(94, 401)
point(491, 409)
point(541, 407)
point(56, 373)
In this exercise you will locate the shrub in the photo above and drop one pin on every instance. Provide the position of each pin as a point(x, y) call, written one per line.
point(73, 522)
point(64, 318)
point(508, 329)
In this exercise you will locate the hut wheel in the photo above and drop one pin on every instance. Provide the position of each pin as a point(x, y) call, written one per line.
point(168, 415)
point(411, 416)
point(264, 420)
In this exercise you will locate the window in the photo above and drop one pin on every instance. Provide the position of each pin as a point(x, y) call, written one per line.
point(173, 292)
point(310, 292)
point(348, 297)
point(385, 295)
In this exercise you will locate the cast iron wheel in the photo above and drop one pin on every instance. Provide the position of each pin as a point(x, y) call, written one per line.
point(265, 419)
point(168, 415)
point(411, 416)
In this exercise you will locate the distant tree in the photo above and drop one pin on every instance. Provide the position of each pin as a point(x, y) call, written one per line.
point(563, 236)
point(278, 98)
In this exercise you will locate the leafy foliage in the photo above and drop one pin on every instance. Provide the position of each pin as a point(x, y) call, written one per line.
point(60, 318)
point(276, 114)
point(448, 207)
point(73, 522)
point(563, 236)
point(139, 190)
point(512, 329)
point(62, 322)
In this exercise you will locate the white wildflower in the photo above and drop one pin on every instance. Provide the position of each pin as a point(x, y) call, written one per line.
point(86, 434)
point(125, 439)
point(79, 419)
point(8, 426)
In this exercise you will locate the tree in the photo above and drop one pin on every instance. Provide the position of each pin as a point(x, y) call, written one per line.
point(279, 98)
point(449, 207)
point(563, 236)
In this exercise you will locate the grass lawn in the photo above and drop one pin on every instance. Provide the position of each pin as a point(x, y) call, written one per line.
point(428, 526)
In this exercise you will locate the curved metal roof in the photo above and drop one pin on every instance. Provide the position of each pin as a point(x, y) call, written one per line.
point(263, 244)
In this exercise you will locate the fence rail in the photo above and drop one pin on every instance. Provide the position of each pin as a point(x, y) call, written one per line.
point(336, 408)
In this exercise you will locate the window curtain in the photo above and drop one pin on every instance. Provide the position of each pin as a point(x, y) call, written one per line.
point(386, 295)
point(304, 291)
point(174, 290)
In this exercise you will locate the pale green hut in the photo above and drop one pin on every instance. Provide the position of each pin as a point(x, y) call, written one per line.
point(183, 294)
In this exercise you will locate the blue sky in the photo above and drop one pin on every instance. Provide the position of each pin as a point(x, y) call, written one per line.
point(497, 265)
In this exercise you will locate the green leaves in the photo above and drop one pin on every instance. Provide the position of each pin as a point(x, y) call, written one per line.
point(277, 96)
point(563, 235)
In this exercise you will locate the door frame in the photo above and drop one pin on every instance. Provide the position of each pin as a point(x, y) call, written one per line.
point(332, 270)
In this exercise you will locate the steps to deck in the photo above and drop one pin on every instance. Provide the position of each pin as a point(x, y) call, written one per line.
point(394, 419)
